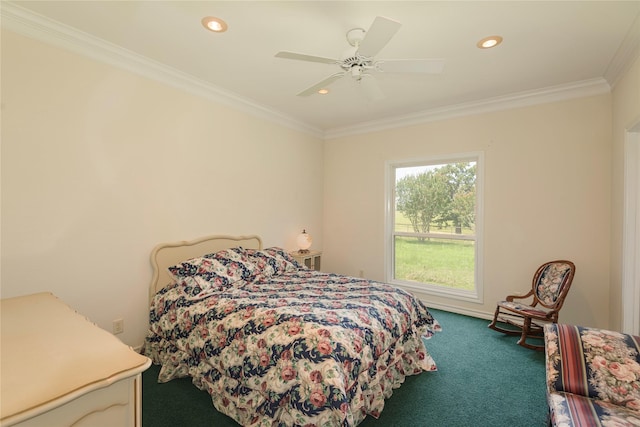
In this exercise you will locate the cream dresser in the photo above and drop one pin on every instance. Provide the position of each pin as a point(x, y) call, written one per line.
point(59, 369)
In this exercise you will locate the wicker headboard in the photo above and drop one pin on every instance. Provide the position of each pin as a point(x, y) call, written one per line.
point(167, 254)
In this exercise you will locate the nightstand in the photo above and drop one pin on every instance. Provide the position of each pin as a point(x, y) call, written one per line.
point(311, 259)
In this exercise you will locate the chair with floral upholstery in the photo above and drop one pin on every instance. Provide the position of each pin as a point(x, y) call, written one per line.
point(549, 288)
point(593, 376)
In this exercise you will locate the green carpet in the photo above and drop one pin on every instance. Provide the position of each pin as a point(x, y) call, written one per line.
point(483, 380)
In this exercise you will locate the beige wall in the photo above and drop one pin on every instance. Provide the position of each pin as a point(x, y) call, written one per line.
point(99, 165)
point(626, 113)
point(547, 192)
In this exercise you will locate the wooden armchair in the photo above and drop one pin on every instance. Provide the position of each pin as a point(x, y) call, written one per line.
point(549, 288)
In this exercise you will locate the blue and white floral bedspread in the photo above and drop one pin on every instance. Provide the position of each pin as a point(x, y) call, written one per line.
point(301, 348)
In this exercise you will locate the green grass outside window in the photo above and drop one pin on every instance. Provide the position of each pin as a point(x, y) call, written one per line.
point(442, 262)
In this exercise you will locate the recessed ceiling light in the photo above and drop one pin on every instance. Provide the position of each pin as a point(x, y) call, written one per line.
point(214, 24)
point(489, 42)
point(323, 91)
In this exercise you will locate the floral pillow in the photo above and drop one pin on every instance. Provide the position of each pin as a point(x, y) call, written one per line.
point(272, 261)
point(220, 269)
point(197, 286)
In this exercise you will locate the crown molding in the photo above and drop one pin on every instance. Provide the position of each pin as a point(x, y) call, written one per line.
point(27, 23)
point(626, 54)
point(518, 100)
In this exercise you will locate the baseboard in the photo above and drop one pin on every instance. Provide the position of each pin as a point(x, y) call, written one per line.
point(459, 310)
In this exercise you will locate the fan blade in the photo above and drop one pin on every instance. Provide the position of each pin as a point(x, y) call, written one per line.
point(428, 66)
point(370, 87)
point(301, 57)
point(324, 83)
point(378, 36)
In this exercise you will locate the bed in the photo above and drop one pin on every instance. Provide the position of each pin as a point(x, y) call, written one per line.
point(275, 343)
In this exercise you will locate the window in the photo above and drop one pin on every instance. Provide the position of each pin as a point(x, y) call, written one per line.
point(433, 223)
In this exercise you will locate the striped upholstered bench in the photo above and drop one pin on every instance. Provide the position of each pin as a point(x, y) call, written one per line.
point(593, 377)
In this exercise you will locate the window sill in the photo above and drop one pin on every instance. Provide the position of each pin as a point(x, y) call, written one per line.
point(440, 291)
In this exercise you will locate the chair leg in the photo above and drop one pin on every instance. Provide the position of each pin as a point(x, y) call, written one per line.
point(526, 327)
point(494, 325)
point(526, 324)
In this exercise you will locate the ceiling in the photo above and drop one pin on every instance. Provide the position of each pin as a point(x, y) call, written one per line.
point(547, 44)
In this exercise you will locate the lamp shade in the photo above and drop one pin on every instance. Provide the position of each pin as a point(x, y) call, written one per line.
point(304, 241)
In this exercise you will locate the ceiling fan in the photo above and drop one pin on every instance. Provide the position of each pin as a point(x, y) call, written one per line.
point(359, 61)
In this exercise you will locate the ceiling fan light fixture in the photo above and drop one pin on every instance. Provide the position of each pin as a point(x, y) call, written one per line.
point(489, 42)
point(214, 24)
point(323, 91)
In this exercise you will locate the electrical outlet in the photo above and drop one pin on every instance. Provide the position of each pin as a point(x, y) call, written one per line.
point(118, 326)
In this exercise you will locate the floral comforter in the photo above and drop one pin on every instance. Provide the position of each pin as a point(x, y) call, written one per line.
point(298, 348)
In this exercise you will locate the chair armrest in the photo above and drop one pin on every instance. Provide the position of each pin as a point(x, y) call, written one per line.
point(510, 298)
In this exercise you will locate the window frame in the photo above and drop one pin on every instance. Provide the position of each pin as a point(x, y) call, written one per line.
point(476, 295)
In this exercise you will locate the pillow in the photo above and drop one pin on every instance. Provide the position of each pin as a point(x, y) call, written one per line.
point(284, 257)
point(219, 269)
point(272, 261)
point(197, 286)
